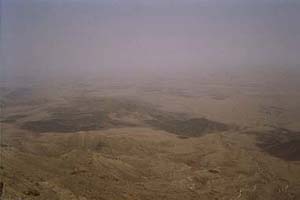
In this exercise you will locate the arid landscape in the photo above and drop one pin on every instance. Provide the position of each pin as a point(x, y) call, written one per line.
point(149, 141)
point(150, 100)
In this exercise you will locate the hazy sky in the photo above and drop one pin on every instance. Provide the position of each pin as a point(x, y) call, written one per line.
point(49, 36)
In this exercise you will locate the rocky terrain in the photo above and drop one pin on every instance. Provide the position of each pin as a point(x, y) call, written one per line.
point(112, 143)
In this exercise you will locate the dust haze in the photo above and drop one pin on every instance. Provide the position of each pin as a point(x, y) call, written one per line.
point(136, 99)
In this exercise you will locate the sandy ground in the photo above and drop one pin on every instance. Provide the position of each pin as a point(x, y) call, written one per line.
point(129, 158)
